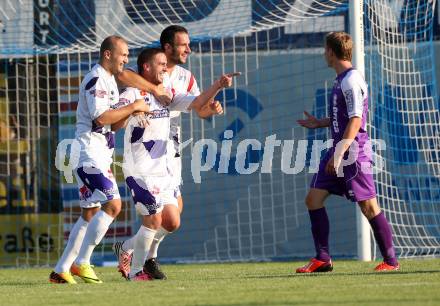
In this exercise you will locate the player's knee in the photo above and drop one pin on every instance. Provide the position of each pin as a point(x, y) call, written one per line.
point(369, 208)
point(311, 202)
point(88, 213)
point(152, 221)
point(171, 224)
point(112, 209)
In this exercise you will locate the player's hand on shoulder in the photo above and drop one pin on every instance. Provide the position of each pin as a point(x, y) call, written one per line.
point(216, 107)
point(162, 95)
point(311, 122)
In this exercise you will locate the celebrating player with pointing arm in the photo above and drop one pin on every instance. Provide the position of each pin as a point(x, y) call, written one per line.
point(147, 168)
point(175, 44)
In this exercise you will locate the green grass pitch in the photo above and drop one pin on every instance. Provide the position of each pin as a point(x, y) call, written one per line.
point(351, 283)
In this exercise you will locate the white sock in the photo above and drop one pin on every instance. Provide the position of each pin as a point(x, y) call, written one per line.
point(128, 245)
point(73, 245)
point(96, 230)
point(160, 235)
point(144, 237)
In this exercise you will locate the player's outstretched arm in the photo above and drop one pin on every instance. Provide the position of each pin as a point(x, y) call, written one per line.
point(112, 116)
point(128, 78)
point(311, 122)
point(208, 95)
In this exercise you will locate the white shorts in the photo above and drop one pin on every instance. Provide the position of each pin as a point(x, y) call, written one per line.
point(96, 186)
point(176, 169)
point(150, 194)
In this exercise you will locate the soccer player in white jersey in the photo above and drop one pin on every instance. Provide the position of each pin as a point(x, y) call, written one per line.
point(146, 164)
point(175, 44)
point(97, 118)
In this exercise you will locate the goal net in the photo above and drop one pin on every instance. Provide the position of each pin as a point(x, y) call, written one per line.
point(230, 215)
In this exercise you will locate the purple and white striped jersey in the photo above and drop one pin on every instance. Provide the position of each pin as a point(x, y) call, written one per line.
point(98, 93)
point(145, 147)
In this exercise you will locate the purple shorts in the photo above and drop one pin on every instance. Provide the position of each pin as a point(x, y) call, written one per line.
point(356, 185)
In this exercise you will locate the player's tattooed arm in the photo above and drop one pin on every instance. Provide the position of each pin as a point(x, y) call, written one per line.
point(128, 78)
point(311, 122)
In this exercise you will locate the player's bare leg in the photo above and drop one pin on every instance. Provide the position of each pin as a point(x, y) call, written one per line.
point(382, 233)
point(320, 231)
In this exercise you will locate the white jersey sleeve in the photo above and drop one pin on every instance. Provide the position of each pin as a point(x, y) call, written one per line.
point(97, 97)
point(181, 102)
point(355, 91)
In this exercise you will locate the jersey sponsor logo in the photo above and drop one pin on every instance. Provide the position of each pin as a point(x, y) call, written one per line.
point(335, 113)
point(98, 93)
point(159, 113)
point(122, 102)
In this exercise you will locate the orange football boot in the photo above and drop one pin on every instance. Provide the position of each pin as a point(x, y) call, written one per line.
point(316, 265)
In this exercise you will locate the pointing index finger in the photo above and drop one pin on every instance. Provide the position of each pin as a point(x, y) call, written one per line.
point(234, 74)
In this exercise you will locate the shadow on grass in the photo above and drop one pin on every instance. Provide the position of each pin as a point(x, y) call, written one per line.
point(343, 274)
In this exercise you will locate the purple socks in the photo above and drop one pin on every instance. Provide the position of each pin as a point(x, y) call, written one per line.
point(384, 238)
point(320, 232)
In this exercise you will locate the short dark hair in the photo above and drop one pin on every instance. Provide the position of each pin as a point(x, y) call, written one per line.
point(341, 44)
point(109, 44)
point(168, 34)
point(146, 56)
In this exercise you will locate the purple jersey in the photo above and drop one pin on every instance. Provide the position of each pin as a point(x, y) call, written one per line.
point(349, 99)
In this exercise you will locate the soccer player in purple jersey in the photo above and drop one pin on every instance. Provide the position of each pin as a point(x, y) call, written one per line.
point(348, 111)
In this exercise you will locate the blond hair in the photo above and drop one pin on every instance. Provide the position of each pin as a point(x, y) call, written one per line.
point(341, 44)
